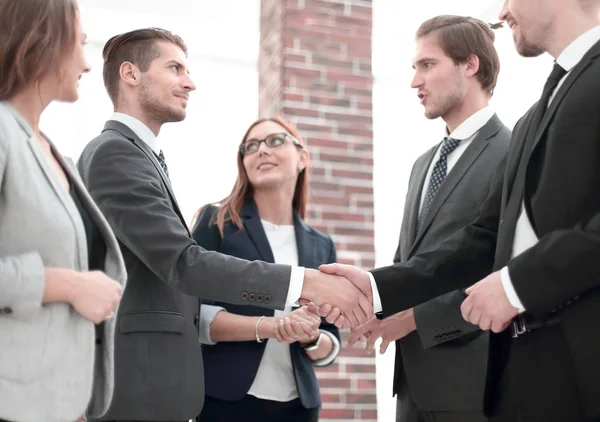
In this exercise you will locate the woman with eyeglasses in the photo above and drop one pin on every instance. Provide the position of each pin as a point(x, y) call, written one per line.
point(259, 363)
point(61, 270)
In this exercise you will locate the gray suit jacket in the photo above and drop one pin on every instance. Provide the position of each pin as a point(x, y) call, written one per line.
point(48, 353)
point(443, 363)
point(159, 374)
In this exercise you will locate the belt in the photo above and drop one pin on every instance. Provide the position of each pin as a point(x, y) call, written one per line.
point(526, 323)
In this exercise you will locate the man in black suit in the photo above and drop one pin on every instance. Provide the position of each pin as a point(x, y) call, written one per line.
point(543, 300)
point(158, 363)
point(440, 358)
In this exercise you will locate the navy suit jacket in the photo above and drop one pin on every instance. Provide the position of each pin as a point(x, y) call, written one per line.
point(230, 367)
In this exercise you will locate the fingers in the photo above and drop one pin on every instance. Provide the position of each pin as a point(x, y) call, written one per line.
point(371, 339)
point(333, 315)
point(466, 308)
point(340, 322)
point(485, 323)
point(384, 345)
point(366, 305)
point(313, 309)
point(303, 301)
point(325, 309)
point(358, 332)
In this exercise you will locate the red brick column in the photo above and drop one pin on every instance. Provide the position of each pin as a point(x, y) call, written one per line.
point(315, 69)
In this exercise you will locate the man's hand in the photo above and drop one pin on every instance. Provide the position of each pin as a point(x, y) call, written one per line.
point(487, 305)
point(338, 292)
point(389, 329)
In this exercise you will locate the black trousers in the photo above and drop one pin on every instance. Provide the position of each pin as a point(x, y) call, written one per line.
point(538, 384)
point(252, 409)
point(408, 411)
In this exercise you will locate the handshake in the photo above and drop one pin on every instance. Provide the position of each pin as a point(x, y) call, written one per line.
point(342, 292)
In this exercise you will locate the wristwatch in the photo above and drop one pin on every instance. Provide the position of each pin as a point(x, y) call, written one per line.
point(313, 345)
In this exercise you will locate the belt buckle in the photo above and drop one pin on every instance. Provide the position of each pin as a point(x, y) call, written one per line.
point(518, 326)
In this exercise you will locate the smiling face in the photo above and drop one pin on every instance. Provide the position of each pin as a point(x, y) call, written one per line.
point(278, 167)
point(165, 87)
point(531, 23)
point(439, 81)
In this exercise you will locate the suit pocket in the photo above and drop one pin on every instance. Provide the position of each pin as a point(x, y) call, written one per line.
point(155, 321)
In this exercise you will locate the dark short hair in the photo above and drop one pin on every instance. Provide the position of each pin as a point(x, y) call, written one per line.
point(462, 36)
point(35, 36)
point(137, 47)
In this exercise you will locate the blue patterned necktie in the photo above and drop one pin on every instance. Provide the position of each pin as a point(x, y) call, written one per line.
point(437, 177)
point(163, 163)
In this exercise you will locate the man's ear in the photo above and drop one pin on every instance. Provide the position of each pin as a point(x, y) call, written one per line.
point(472, 65)
point(130, 74)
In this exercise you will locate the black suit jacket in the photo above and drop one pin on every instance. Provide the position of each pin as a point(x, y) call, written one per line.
point(158, 360)
point(559, 182)
point(230, 367)
point(443, 363)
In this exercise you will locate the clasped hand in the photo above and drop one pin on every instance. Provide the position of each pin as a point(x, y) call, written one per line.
point(342, 292)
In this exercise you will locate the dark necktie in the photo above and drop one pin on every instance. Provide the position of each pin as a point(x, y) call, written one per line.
point(163, 163)
point(555, 76)
point(437, 177)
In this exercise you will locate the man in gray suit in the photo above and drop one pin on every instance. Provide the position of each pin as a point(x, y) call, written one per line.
point(441, 359)
point(158, 361)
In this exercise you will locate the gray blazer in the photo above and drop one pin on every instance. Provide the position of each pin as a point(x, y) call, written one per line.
point(49, 355)
point(443, 363)
point(159, 374)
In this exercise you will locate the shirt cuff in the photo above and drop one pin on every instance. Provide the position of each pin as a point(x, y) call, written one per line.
point(296, 285)
point(509, 289)
point(335, 351)
point(207, 316)
point(377, 306)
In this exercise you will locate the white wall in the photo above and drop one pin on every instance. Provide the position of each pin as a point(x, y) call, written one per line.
point(222, 38)
point(401, 131)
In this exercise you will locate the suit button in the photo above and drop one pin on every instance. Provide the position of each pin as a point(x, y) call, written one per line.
point(458, 332)
point(438, 338)
point(244, 295)
point(7, 310)
point(445, 337)
point(502, 221)
point(259, 298)
point(267, 298)
point(251, 297)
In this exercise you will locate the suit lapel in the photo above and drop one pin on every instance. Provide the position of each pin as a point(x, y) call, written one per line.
point(477, 146)
point(129, 134)
point(413, 203)
point(558, 97)
point(306, 242)
point(256, 232)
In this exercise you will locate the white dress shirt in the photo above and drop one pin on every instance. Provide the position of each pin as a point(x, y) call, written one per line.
point(465, 132)
point(525, 237)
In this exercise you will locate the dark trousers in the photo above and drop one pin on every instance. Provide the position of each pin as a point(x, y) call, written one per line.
point(252, 409)
point(538, 384)
point(408, 411)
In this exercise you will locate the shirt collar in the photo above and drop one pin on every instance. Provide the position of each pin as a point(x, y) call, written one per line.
point(140, 129)
point(575, 51)
point(472, 124)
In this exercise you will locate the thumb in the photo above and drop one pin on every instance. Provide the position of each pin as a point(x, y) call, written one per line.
point(332, 269)
point(312, 308)
point(384, 345)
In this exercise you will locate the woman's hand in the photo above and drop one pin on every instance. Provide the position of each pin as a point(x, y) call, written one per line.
point(300, 325)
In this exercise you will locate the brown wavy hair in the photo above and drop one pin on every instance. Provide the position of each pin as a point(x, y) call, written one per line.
point(230, 208)
point(35, 36)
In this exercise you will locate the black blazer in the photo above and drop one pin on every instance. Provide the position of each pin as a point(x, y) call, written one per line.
point(558, 177)
point(230, 367)
point(158, 360)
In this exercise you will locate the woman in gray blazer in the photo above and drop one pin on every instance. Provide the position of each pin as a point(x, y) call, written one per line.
point(61, 270)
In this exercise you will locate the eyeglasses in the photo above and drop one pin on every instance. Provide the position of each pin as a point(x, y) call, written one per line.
point(274, 140)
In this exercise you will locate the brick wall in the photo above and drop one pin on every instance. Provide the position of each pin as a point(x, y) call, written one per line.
point(315, 69)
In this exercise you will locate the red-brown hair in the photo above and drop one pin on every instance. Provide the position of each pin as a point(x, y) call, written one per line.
point(230, 208)
point(35, 36)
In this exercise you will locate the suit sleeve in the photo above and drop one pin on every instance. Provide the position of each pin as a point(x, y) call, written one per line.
point(433, 273)
point(540, 274)
point(127, 188)
point(22, 281)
